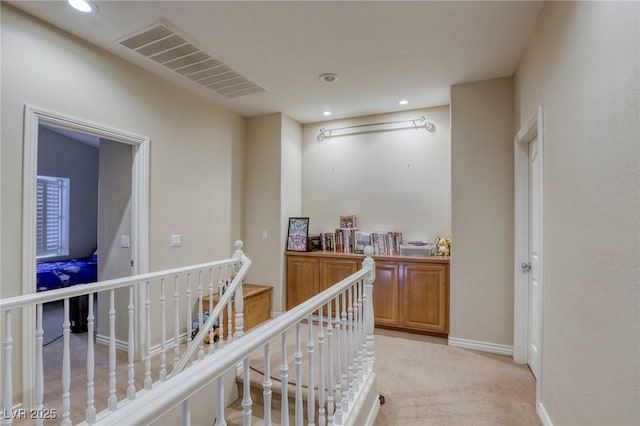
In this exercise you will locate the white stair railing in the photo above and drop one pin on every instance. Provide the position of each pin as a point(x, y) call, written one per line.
point(347, 369)
point(146, 298)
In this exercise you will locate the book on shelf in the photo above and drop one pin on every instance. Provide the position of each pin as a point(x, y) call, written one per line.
point(386, 243)
point(351, 240)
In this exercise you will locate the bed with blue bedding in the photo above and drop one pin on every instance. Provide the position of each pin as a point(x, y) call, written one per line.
point(59, 274)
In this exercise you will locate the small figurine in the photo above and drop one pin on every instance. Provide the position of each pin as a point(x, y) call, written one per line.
point(444, 246)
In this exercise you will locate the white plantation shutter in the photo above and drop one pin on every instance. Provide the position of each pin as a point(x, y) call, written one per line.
point(52, 221)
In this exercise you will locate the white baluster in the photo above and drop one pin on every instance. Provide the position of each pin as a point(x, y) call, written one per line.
point(113, 400)
point(356, 338)
point(131, 385)
point(239, 302)
point(91, 408)
point(220, 420)
point(230, 330)
point(66, 367)
point(360, 336)
point(246, 394)
point(221, 317)
point(7, 384)
point(321, 389)
point(176, 321)
point(369, 263)
point(200, 314)
point(284, 383)
point(39, 365)
point(148, 382)
point(163, 333)
point(186, 413)
point(363, 340)
point(266, 386)
point(210, 310)
point(338, 355)
point(330, 390)
point(351, 346)
point(189, 309)
point(344, 332)
point(311, 398)
point(298, 362)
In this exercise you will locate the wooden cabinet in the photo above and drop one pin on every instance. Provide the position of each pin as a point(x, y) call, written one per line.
point(409, 293)
point(304, 274)
point(386, 293)
point(424, 295)
point(257, 307)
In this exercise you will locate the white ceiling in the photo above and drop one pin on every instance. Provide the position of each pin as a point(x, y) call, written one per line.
point(382, 51)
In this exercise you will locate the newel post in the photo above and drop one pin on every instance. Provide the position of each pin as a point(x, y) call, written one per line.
point(238, 296)
point(369, 264)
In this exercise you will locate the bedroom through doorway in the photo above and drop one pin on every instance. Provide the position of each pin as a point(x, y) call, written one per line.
point(83, 223)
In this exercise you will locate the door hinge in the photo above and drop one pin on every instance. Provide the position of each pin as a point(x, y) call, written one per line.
point(132, 263)
point(526, 267)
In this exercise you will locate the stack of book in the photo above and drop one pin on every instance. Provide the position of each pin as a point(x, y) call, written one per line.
point(350, 240)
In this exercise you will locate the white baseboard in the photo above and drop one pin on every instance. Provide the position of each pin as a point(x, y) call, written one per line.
point(373, 413)
point(104, 340)
point(157, 349)
point(481, 346)
point(543, 415)
point(124, 346)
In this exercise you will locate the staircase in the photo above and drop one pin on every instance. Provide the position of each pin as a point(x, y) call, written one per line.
point(315, 361)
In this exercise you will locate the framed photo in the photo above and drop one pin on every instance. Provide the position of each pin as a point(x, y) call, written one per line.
point(298, 234)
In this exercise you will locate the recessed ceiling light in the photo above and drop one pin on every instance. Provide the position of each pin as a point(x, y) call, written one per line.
point(327, 113)
point(81, 5)
point(328, 77)
point(403, 102)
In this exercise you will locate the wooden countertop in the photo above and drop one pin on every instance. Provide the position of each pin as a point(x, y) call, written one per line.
point(335, 255)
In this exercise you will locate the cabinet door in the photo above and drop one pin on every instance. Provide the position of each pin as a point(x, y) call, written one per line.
point(302, 279)
point(334, 270)
point(424, 297)
point(385, 293)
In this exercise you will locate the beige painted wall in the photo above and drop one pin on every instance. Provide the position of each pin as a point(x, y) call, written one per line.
point(272, 195)
point(395, 180)
point(582, 65)
point(262, 201)
point(291, 194)
point(482, 211)
point(194, 143)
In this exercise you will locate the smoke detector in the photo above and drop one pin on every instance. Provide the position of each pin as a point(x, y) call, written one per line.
point(328, 77)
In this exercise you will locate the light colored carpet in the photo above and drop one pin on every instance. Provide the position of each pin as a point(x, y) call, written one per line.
point(426, 382)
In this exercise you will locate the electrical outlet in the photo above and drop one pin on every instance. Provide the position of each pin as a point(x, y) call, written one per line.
point(124, 241)
point(265, 235)
point(175, 240)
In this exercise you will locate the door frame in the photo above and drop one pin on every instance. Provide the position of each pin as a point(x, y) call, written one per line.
point(33, 117)
point(532, 129)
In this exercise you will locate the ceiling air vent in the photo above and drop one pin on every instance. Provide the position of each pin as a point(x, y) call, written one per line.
point(162, 44)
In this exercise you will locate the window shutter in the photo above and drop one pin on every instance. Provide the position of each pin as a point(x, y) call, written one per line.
point(50, 217)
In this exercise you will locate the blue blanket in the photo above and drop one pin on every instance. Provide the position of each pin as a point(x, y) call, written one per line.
point(52, 275)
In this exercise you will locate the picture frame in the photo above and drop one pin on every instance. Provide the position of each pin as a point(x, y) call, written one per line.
point(298, 234)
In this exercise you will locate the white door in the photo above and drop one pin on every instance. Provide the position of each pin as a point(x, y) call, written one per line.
point(535, 288)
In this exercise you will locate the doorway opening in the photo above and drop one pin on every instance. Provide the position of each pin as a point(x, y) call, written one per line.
point(137, 146)
point(528, 256)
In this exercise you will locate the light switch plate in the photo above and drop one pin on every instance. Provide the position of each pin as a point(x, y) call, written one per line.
point(124, 241)
point(175, 240)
